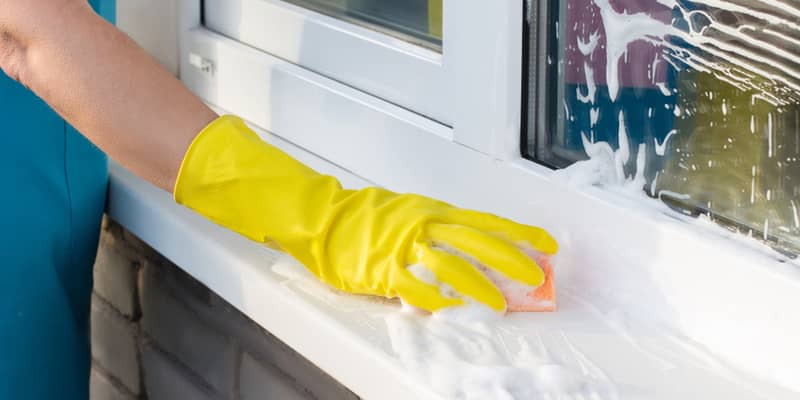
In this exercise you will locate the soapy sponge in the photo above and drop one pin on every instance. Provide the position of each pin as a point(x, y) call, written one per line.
point(521, 297)
point(543, 298)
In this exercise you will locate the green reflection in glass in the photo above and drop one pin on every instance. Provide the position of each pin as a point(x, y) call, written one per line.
point(736, 155)
point(711, 92)
point(416, 21)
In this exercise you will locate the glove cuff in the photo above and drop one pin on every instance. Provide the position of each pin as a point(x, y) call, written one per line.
point(197, 153)
point(239, 181)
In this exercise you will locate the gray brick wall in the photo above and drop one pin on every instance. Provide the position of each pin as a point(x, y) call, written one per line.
point(158, 334)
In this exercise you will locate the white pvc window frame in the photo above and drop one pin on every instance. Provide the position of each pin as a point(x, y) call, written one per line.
point(469, 86)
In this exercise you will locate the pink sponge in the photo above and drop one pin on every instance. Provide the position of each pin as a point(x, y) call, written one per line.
point(520, 297)
point(542, 298)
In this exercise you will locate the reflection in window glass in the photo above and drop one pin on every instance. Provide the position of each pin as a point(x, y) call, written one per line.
point(712, 90)
point(418, 21)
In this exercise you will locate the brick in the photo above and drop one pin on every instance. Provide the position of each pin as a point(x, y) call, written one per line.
point(179, 330)
point(102, 387)
point(127, 241)
point(223, 317)
point(182, 285)
point(115, 272)
point(138, 246)
point(260, 382)
point(199, 328)
point(272, 352)
point(108, 225)
point(114, 345)
point(166, 379)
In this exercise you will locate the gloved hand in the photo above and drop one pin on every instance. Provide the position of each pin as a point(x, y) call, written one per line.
point(357, 241)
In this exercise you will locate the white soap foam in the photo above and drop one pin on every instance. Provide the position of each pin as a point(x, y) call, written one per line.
point(468, 353)
point(606, 166)
point(661, 148)
point(591, 86)
point(622, 29)
point(587, 47)
point(514, 291)
point(471, 352)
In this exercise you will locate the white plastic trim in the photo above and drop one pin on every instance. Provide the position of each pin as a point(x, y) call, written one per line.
point(359, 57)
point(472, 85)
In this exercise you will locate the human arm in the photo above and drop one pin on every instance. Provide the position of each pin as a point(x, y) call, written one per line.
point(100, 81)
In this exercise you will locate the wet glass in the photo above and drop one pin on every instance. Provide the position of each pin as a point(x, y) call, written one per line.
point(416, 21)
point(712, 90)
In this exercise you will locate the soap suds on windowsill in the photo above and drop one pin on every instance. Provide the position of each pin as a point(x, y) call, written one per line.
point(587, 349)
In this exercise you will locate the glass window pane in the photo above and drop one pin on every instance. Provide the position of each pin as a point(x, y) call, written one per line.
point(418, 21)
point(712, 90)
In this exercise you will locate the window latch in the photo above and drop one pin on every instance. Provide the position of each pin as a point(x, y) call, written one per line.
point(205, 65)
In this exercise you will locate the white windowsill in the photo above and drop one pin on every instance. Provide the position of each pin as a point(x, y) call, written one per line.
point(348, 336)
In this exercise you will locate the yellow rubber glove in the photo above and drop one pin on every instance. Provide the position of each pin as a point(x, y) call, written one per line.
point(357, 241)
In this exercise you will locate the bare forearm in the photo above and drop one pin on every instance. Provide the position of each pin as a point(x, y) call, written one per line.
point(111, 90)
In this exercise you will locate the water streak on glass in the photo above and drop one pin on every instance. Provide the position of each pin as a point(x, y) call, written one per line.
point(416, 21)
point(710, 87)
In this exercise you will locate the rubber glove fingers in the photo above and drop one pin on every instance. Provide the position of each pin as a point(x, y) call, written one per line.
point(520, 234)
point(489, 250)
point(420, 294)
point(461, 275)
